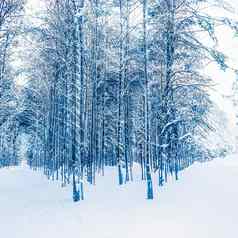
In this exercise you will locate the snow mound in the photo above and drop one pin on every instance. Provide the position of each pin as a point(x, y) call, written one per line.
point(202, 204)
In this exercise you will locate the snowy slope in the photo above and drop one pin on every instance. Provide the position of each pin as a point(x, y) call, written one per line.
point(202, 204)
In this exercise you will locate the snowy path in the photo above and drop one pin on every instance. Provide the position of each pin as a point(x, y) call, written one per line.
point(202, 204)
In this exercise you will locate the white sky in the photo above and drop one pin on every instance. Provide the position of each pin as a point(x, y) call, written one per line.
point(228, 44)
point(34, 5)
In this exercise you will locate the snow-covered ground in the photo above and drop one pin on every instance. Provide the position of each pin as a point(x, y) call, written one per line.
point(202, 204)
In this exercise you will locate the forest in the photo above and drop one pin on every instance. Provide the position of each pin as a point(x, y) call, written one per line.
point(110, 83)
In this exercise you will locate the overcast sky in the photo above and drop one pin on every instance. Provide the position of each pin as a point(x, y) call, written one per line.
point(228, 44)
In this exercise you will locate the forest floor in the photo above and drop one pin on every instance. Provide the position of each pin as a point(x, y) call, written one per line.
point(202, 204)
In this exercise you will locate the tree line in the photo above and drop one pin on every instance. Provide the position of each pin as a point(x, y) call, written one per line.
point(119, 83)
point(10, 20)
